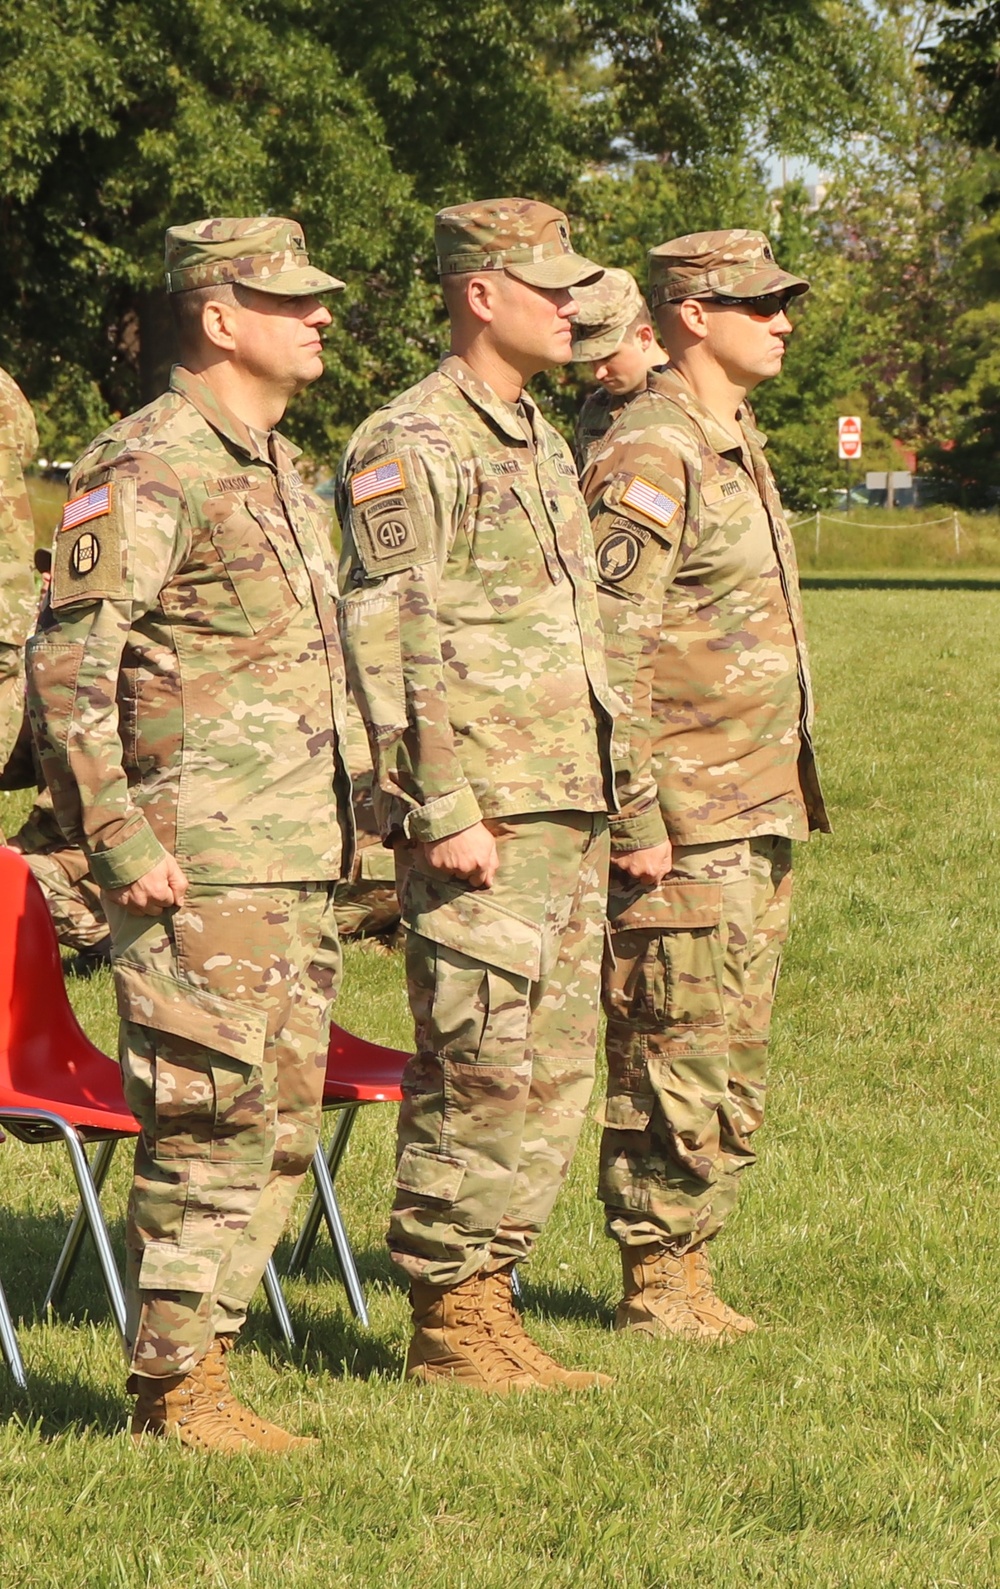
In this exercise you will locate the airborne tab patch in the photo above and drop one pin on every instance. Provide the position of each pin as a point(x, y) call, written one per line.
point(378, 481)
point(650, 501)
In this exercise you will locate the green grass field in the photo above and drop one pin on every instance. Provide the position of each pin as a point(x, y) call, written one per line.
point(851, 1442)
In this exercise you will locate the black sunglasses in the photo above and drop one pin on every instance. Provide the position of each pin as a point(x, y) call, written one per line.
point(767, 306)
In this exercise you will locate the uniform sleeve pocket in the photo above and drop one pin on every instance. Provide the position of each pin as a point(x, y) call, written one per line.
point(370, 633)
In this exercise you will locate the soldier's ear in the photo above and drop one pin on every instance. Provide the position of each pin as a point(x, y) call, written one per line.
point(218, 323)
point(481, 295)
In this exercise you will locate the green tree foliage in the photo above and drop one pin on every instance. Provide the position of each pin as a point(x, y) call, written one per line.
point(645, 118)
point(966, 63)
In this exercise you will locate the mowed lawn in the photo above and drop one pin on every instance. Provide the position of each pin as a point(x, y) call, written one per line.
point(853, 1441)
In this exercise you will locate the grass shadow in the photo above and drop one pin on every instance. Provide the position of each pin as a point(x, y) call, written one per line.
point(561, 1302)
point(889, 582)
point(56, 1406)
point(31, 1244)
point(328, 1340)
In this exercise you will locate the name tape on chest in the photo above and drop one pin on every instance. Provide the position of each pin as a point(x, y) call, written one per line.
point(95, 504)
point(649, 500)
point(504, 466)
point(230, 483)
point(377, 481)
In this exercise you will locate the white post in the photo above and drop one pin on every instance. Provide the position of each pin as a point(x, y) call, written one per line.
point(817, 535)
point(958, 532)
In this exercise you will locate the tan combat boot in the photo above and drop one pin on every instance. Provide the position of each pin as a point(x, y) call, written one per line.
point(185, 1407)
point(452, 1340)
point(260, 1432)
point(506, 1326)
point(717, 1315)
point(657, 1299)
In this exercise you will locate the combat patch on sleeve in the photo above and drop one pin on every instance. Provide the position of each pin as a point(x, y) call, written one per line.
point(618, 554)
point(390, 535)
point(90, 554)
point(650, 501)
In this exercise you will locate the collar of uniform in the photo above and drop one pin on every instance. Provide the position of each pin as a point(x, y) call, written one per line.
point(200, 395)
point(667, 381)
point(486, 400)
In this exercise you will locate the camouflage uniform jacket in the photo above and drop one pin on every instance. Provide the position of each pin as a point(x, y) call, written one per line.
point(700, 599)
point(185, 682)
point(18, 443)
point(469, 615)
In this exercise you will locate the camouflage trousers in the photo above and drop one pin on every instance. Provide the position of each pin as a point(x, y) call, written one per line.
point(688, 985)
point(504, 989)
point(63, 874)
point(225, 1009)
point(11, 697)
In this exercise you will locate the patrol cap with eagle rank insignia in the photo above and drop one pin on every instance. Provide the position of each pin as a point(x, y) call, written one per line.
point(527, 239)
point(734, 264)
point(607, 308)
point(265, 252)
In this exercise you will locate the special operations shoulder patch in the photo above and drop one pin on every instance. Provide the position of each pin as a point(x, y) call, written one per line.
point(88, 561)
point(618, 555)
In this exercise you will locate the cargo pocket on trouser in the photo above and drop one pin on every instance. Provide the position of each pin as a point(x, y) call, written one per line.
point(667, 1039)
point(470, 965)
point(195, 1079)
point(193, 1075)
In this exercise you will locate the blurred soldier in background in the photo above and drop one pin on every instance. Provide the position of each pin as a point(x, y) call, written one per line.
point(187, 699)
point(18, 444)
point(471, 632)
point(700, 601)
point(365, 904)
point(614, 333)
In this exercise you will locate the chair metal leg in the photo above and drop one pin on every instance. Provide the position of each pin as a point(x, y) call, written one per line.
point(88, 1197)
point(515, 1284)
point(310, 1227)
point(9, 1346)
point(338, 1235)
point(98, 1229)
point(100, 1164)
point(279, 1307)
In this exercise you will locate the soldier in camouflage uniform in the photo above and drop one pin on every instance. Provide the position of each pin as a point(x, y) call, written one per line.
point(365, 904)
point(187, 699)
point(614, 333)
point(470, 628)
point(18, 444)
point(700, 599)
point(62, 871)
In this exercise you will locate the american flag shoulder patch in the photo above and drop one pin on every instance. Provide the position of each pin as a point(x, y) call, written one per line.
point(378, 481)
point(650, 500)
point(93, 504)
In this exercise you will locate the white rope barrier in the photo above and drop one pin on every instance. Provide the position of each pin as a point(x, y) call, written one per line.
point(862, 524)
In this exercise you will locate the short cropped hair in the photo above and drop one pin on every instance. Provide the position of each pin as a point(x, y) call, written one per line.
point(187, 307)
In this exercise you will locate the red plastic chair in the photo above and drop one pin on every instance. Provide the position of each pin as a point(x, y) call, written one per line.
point(54, 1083)
point(357, 1072)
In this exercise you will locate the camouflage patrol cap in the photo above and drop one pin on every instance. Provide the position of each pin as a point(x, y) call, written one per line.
point(266, 252)
point(734, 264)
point(527, 239)
point(607, 308)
